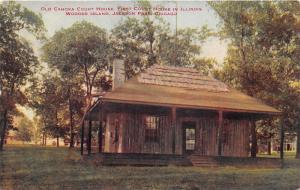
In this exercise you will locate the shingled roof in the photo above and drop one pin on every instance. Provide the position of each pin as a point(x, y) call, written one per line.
point(180, 77)
point(184, 88)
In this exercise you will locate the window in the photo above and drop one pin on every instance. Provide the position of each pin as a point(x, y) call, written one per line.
point(151, 128)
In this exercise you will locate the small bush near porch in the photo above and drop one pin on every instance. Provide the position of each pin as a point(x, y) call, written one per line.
point(30, 167)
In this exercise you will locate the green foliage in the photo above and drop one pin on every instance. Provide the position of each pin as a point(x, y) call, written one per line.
point(14, 17)
point(17, 59)
point(263, 57)
point(148, 41)
point(25, 130)
point(48, 101)
point(83, 45)
point(79, 51)
point(184, 47)
point(55, 101)
point(79, 55)
point(205, 65)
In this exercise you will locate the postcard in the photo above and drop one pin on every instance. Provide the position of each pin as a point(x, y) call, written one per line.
point(121, 95)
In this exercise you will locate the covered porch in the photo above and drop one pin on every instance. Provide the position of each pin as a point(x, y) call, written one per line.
point(187, 134)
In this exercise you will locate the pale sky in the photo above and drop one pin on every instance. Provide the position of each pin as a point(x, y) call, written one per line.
point(55, 20)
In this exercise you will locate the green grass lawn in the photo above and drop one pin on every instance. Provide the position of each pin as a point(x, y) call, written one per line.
point(33, 167)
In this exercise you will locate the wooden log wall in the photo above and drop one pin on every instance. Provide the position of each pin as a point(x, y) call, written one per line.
point(206, 137)
point(131, 135)
point(235, 136)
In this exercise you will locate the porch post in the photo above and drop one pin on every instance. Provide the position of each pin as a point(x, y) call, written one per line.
point(82, 137)
point(174, 128)
point(298, 143)
point(90, 138)
point(220, 126)
point(100, 130)
point(253, 138)
point(281, 138)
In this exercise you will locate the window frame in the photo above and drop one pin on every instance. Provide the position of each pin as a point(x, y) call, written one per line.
point(152, 126)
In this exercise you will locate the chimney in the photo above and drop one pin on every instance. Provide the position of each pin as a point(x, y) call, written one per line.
point(118, 73)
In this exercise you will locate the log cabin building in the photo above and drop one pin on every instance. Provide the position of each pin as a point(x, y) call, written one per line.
point(171, 111)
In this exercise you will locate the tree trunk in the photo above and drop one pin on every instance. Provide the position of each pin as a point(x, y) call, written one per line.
point(253, 139)
point(90, 138)
point(45, 139)
point(4, 128)
point(281, 138)
point(57, 141)
point(298, 143)
point(269, 146)
point(71, 125)
point(82, 137)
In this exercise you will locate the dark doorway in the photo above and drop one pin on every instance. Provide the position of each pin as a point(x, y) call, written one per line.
point(189, 137)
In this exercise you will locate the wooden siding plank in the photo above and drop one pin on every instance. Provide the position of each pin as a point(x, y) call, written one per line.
point(132, 135)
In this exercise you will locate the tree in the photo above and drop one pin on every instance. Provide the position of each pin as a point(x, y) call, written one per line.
point(81, 50)
point(17, 59)
point(73, 95)
point(58, 104)
point(144, 42)
point(80, 54)
point(36, 129)
point(50, 106)
point(183, 48)
point(296, 86)
point(262, 57)
point(24, 130)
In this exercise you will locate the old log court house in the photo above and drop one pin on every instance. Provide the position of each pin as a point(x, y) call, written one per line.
point(170, 115)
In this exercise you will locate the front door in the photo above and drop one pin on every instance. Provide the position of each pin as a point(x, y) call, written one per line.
point(189, 137)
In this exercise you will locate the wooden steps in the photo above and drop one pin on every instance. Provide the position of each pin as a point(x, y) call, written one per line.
point(203, 161)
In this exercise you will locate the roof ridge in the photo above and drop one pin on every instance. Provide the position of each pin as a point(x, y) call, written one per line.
point(195, 77)
point(168, 67)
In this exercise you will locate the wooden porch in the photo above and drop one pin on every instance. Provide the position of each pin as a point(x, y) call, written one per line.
point(146, 129)
point(219, 138)
point(137, 159)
